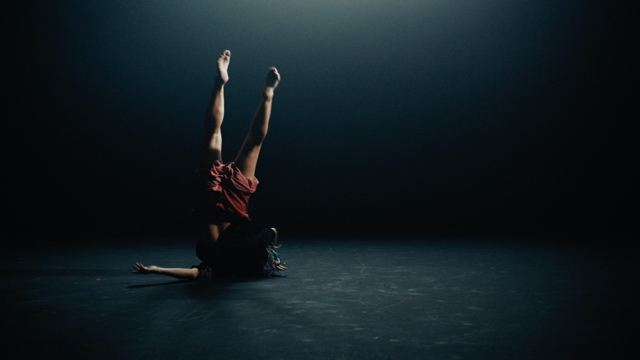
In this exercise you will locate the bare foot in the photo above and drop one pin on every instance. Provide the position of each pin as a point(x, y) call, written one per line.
point(223, 66)
point(273, 78)
point(138, 268)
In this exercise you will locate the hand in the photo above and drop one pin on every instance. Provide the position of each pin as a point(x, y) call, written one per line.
point(138, 268)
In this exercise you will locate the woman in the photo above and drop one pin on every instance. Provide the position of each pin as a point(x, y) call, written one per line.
point(223, 189)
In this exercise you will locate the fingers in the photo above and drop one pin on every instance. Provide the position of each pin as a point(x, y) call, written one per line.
point(139, 268)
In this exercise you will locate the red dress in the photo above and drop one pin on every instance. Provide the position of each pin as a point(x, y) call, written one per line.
point(223, 193)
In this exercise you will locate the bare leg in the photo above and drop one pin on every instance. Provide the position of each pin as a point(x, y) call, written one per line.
point(178, 273)
point(247, 158)
point(212, 149)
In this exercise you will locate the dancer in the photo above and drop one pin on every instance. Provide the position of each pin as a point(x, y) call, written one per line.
point(225, 245)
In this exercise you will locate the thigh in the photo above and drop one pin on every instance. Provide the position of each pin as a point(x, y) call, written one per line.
point(247, 159)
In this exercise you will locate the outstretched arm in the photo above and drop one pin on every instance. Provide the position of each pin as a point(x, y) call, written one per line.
point(179, 273)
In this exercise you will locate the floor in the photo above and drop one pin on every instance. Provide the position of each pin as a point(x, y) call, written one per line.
point(343, 299)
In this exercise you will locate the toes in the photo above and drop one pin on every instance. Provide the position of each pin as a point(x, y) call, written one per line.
point(226, 55)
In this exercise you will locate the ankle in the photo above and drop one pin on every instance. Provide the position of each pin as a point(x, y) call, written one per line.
point(219, 83)
point(268, 93)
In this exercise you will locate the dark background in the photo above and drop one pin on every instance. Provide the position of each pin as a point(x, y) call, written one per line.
point(394, 118)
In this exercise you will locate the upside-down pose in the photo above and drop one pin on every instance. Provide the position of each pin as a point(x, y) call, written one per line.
point(225, 245)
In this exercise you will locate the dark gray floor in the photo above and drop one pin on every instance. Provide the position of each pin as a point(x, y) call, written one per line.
point(343, 299)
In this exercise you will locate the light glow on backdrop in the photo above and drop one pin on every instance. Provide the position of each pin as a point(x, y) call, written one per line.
point(398, 111)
